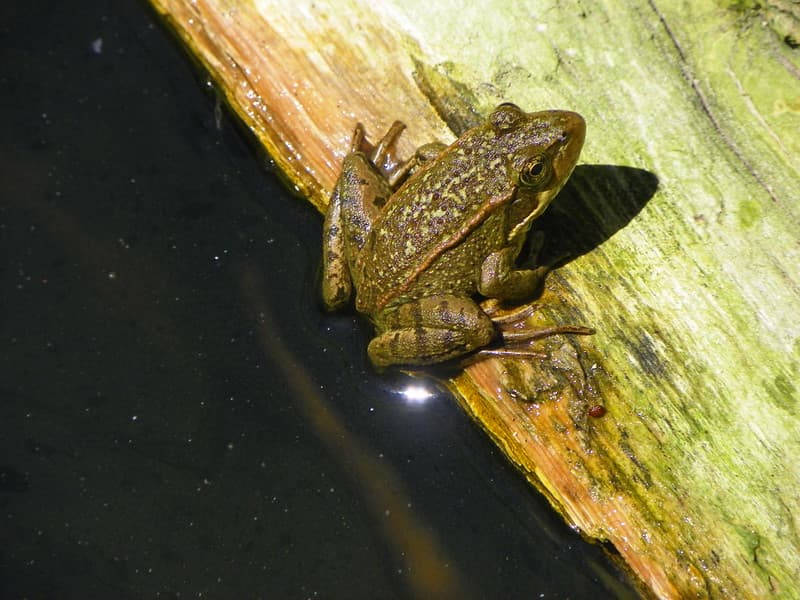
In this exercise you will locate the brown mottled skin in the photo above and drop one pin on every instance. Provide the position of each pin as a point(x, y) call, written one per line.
point(419, 255)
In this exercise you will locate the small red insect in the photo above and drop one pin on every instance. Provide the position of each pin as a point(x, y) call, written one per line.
point(597, 411)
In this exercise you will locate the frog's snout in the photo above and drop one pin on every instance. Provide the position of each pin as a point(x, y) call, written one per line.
point(573, 129)
point(570, 143)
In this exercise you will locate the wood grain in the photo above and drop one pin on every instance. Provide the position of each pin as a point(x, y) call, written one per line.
point(683, 222)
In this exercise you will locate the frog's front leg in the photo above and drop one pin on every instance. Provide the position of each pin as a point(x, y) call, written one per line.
point(430, 330)
point(501, 279)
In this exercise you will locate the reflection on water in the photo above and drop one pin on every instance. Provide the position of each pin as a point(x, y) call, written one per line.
point(416, 550)
point(416, 393)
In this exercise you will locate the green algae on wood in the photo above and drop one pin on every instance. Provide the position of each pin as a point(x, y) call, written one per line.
point(685, 220)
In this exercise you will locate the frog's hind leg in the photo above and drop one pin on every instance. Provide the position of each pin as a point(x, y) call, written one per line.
point(362, 192)
point(430, 330)
point(395, 172)
point(337, 283)
point(355, 203)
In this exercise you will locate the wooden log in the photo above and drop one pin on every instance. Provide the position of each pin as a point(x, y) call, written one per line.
point(684, 221)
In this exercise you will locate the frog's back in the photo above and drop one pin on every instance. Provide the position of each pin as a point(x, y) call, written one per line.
point(417, 241)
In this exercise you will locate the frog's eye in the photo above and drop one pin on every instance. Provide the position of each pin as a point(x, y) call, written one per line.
point(536, 171)
point(506, 116)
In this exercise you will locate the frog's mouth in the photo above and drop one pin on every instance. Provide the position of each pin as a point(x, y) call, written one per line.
point(526, 207)
point(560, 157)
point(565, 146)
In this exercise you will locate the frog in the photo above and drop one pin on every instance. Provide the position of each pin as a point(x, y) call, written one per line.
point(421, 243)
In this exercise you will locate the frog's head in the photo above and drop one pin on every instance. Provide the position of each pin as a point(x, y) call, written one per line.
point(540, 150)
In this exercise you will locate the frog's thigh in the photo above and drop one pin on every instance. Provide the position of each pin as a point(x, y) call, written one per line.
point(348, 220)
point(337, 285)
point(501, 279)
point(362, 191)
point(431, 330)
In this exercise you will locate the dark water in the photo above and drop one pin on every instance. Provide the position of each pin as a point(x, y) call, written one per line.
point(179, 419)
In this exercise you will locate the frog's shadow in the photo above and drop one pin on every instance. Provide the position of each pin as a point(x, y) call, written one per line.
point(596, 202)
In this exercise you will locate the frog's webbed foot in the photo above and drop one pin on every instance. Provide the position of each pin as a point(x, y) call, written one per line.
point(512, 324)
point(512, 338)
point(515, 342)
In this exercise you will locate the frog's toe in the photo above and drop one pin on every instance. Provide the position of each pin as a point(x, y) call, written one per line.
point(381, 150)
